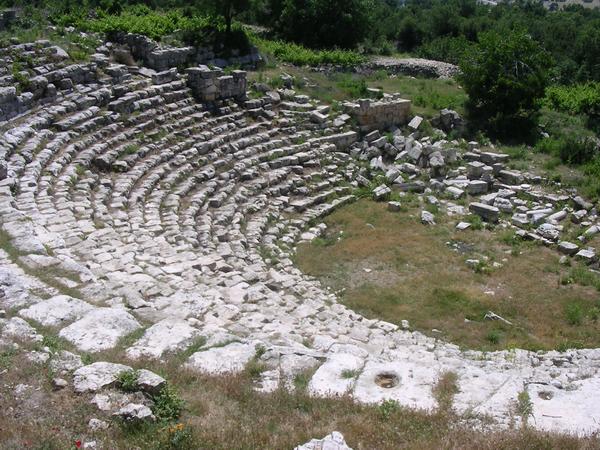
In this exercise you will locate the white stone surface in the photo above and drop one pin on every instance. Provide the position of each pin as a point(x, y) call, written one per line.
point(231, 358)
point(166, 336)
point(56, 310)
point(100, 329)
point(333, 441)
point(96, 376)
point(330, 379)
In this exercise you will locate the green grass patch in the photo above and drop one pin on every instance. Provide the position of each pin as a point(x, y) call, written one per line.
point(303, 56)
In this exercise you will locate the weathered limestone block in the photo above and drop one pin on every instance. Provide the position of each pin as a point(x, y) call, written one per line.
point(486, 212)
point(210, 85)
point(372, 115)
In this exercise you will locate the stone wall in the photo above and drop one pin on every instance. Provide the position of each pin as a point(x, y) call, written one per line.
point(43, 88)
point(379, 114)
point(210, 85)
point(161, 58)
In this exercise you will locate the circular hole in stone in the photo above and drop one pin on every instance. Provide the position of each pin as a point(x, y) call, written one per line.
point(387, 380)
point(545, 395)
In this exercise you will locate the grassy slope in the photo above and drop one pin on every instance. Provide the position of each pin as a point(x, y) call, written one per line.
point(415, 275)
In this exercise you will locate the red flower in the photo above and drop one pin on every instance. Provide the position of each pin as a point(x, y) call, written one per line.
point(78, 444)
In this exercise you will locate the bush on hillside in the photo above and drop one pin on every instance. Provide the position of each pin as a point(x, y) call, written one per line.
point(323, 23)
point(505, 77)
point(575, 99)
point(302, 56)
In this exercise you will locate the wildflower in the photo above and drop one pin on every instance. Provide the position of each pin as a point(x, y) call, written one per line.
point(78, 444)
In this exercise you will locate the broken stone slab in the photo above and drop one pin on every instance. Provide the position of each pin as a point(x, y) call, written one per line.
point(477, 187)
point(486, 212)
point(578, 216)
point(150, 382)
point(65, 362)
point(17, 328)
point(231, 358)
point(415, 123)
point(167, 336)
point(394, 206)
point(591, 231)
point(97, 425)
point(494, 158)
point(135, 412)
point(511, 177)
point(581, 203)
point(415, 151)
point(503, 204)
point(100, 329)
point(436, 160)
point(413, 186)
point(381, 192)
point(372, 136)
point(568, 248)
point(490, 315)
point(587, 255)
point(56, 310)
point(427, 218)
point(96, 376)
point(475, 170)
point(461, 226)
point(548, 231)
point(455, 192)
point(317, 117)
point(557, 216)
point(333, 441)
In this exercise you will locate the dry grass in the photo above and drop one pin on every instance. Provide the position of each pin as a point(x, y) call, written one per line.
point(414, 274)
point(226, 413)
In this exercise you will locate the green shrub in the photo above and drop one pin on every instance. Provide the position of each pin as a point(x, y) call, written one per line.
point(168, 405)
point(128, 380)
point(505, 76)
point(493, 337)
point(302, 56)
point(324, 23)
point(447, 48)
point(139, 19)
point(524, 406)
point(475, 221)
point(570, 149)
point(574, 314)
point(575, 99)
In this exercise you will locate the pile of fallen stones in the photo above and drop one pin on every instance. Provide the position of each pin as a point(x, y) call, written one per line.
point(444, 172)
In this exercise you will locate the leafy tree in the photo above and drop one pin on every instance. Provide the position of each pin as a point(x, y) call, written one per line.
point(228, 9)
point(505, 76)
point(323, 23)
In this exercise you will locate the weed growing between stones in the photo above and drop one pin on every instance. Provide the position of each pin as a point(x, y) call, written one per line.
point(128, 380)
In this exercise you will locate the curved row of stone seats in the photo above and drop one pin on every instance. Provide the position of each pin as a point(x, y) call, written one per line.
point(221, 196)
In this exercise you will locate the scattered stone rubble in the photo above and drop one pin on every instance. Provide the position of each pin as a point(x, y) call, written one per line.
point(416, 67)
point(178, 220)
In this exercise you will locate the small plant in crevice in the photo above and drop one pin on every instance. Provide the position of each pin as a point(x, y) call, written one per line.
point(524, 407)
point(350, 373)
point(494, 337)
point(387, 408)
point(444, 391)
point(128, 380)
